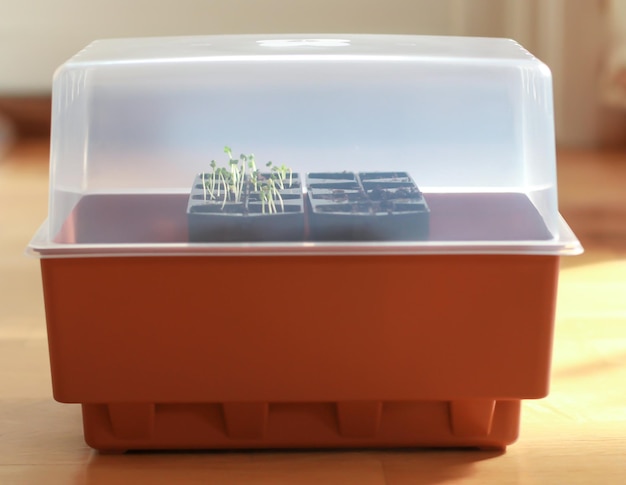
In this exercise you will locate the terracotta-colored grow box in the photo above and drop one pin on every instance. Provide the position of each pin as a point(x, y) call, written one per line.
point(173, 338)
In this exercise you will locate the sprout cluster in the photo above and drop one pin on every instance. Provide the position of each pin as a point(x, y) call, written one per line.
point(231, 183)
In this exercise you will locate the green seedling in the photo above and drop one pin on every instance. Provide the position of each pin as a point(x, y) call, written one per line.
point(233, 179)
point(208, 186)
point(265, 198)
point(279, 173)
point(275, 192)
point(223, 176)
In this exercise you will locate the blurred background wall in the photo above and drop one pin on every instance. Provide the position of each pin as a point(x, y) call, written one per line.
point(578, 39)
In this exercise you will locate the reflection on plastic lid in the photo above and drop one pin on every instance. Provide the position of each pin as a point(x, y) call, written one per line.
point(304, 42)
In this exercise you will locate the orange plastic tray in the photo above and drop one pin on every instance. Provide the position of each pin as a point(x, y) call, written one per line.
point(300, 351)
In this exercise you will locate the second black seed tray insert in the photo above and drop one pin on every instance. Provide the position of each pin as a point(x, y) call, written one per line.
point(366, 206)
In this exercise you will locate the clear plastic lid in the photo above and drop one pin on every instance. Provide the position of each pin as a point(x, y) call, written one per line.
point(309, 144)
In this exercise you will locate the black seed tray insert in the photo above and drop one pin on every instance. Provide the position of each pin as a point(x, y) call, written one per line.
point(379, 206)
point(248, 220)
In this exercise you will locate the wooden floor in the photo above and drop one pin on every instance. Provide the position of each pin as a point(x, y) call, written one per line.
point(575, 436)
